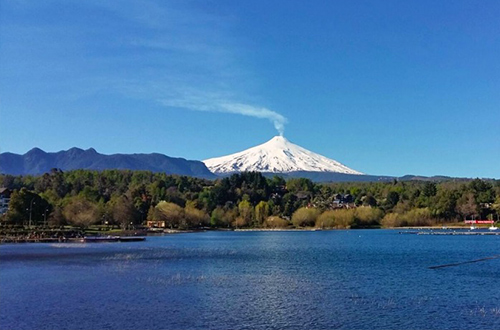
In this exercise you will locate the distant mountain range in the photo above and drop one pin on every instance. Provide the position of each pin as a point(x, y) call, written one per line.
point(275, 157)
point(37, 161)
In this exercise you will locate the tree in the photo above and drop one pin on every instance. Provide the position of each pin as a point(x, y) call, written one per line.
point(195, 217)
point(326, 220)
point(277, 183)
point(467, 206)
point(26, 207)
point(418, 217)
point(16, 213)
point(217, 217)
point(153, 214)
point(56, 217)
point(367, 216)
point(369, 200)
point(123, 211)
point(261, 213)
point(246, 213)
point(391, 220)
point(290, 203)
point(81, 212)
point(445, 204)
point(391, 200)
point(171, 213)
point(344, 218)
point(296, 185)
point(305, 217)
point(496, 207)
point(230, 214)
point(275, 222)
point(429, 189)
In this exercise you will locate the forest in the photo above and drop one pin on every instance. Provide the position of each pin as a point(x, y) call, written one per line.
point(246, 200)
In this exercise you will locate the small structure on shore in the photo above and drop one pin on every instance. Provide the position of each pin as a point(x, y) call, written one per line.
point(4, 199)
point(156, 224)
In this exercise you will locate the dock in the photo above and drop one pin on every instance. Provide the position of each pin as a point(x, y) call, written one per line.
point(87, 239)
point(453, 233)
point(106, 239)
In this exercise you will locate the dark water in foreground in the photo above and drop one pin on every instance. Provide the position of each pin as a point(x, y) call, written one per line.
point(358, 279)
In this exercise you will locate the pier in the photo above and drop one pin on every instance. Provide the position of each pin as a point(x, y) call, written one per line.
point(453, 233)
point(87, 239)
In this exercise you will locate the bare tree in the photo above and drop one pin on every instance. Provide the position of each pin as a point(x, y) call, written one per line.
point(81, 212)
point(467, 205)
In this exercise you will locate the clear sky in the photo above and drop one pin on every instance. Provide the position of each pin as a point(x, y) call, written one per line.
point(385, 87)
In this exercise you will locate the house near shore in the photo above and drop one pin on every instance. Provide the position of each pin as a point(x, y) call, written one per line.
point(4, 200)
point(343, 202)
point(156, 224)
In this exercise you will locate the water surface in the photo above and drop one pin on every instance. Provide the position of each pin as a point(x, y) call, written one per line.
point(353, 279)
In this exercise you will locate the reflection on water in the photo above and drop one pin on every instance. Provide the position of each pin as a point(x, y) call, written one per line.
point(253, 280)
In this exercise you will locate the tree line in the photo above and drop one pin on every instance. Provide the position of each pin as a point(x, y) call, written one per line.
point(130, 198)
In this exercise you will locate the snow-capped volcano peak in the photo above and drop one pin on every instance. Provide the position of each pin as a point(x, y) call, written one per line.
point(277, 155)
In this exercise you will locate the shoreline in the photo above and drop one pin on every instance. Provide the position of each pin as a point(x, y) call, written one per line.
point(134, 235)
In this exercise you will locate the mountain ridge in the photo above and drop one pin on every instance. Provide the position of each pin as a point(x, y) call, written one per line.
point(36, 161)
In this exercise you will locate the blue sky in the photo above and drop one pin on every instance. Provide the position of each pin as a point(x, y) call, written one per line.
point(385, 87)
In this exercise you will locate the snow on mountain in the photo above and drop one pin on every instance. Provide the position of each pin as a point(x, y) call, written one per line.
point(277, 155)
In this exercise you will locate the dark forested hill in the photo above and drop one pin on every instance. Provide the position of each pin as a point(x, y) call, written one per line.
point(37, 161)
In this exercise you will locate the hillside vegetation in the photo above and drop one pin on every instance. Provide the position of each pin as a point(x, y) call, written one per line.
point(130, 198)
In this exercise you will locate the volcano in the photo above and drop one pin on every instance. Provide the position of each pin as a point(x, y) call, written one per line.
point(277, 155)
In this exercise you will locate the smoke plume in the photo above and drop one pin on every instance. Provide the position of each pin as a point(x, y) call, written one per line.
point(277, 119)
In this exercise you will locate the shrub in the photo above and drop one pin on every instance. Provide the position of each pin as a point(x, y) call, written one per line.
point(195, 217)
point(275, 222)
point(239, 222)
point(326, 220)
point(305, 217)
point(419, 217)
point(391, 220)
point(344, 218)
point(415, 217)
point(367, 216)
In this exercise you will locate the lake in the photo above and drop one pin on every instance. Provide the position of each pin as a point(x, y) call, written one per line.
point(346, 279)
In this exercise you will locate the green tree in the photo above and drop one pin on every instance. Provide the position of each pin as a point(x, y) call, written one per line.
point(391, 200)
point(171, 213)
point(246, 213)
point(369, 200)
point(444, 205)
point(290, 204)
point(261, 213)
point(296, 185)
point(430, 189)
point(124, 212)
point(195, 217)
point(217, 217)
point(27, 208)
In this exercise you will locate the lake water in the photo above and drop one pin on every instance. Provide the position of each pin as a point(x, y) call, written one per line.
point(352, 279)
